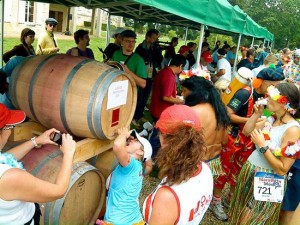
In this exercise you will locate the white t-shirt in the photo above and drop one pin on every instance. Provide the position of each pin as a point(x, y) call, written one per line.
point(14, 212)
point(258, 69)
point(193, 197)
point(224, 64)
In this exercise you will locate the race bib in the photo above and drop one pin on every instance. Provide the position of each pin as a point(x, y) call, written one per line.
point(268, 187)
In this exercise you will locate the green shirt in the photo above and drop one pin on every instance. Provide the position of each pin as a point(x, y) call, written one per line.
point(136, 63)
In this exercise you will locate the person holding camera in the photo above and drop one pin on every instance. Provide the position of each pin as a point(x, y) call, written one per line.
point(19, 190)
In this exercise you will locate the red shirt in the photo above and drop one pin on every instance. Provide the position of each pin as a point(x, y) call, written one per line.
point(164, 85)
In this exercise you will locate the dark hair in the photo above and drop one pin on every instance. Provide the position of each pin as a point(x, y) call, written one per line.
point(152, 31)
point(174, 39)
point(250, 52)
point(79, 34)
point(203, 91)
point(292, 93)
point(226, 45)
point(26, 32)
point(191, 44)
point(205, 44)
point(178, 60)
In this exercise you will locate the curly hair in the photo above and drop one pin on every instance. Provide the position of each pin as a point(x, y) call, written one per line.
point(203, 91)
point(178, 160)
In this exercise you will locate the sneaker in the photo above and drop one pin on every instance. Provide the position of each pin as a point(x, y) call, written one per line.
point(148, 126)
point(146, 108)
point(218, 211)
point(144, 133)
point(135, 123)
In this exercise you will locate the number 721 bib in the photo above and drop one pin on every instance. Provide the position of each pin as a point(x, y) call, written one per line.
point(268, 187)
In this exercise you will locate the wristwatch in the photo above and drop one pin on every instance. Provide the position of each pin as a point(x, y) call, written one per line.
point(263, 149)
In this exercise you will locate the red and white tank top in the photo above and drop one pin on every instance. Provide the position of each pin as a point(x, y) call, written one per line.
point(193, 197)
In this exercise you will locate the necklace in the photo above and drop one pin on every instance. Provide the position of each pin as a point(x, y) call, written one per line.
point(9, 159)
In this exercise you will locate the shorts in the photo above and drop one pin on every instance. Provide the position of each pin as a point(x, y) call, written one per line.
point(292, 195)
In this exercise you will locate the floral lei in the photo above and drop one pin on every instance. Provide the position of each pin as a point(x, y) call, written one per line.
point(275, 95)
point(194, 72)
point(292, 150)
point(9, 159)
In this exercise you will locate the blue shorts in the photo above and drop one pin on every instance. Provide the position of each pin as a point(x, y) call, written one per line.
point(292, 195)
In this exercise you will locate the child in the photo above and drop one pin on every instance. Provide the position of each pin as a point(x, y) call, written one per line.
point(125, 182)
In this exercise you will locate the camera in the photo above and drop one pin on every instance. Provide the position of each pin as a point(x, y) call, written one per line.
point(56, 137)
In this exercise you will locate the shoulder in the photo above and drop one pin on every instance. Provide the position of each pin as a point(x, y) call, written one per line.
point(242, 93)
point(293, 131)
point(167, 195)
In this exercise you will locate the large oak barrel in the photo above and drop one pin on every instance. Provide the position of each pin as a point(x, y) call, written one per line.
point(85, 195)
point(74, 94)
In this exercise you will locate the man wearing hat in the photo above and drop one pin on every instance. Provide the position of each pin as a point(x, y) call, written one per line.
point(223, 66)
point(47, 43)
point(133, 64)
point(184, 51)
point(112, 47)
point(239, 146)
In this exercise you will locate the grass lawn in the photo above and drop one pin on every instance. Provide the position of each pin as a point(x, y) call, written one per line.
point(65, 44)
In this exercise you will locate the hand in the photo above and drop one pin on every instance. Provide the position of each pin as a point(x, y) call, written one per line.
point(4, 135)
point(258, 109)
point(45, 137)
point(126, 70)
point(124, 132)
point(258, 138)
point(68, 145)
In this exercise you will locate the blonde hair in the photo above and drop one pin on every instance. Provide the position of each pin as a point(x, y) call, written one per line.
point(270, 59)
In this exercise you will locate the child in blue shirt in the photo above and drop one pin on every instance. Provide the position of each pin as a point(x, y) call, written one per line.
point(133, 153)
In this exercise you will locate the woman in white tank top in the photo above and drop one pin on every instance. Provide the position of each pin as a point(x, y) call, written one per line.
point(260, 186)
point(18, 188)
point(185, 192)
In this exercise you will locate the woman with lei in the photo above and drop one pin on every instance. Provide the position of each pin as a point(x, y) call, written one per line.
point(260, 185)
point(18, 188)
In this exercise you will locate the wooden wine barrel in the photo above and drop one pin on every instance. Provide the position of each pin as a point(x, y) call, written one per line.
point(85, 196)
point(76, 95)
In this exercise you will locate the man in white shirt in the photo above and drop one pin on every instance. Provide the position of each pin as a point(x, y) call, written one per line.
point(223, 66)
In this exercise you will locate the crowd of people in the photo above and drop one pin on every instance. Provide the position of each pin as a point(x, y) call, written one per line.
point(224, 127)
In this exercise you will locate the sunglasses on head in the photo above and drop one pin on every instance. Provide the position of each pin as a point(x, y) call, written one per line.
point(8, 127)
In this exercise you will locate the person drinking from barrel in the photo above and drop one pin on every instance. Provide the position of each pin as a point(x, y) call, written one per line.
point(124, 185)
point(18, 188)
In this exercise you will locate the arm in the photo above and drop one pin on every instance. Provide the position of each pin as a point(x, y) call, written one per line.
point(119, 147)
point(220, 72)
point(138, 80)
point(11, 53)
point(235, 118)
point(147, 167)
point(21, 150)
point(282, 165)
point(255, 121)
point(164, 208)
point(32, 189)
point(172, 100)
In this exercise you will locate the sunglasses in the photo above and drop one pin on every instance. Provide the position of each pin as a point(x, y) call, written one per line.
point(51, 25)
point(8, 127)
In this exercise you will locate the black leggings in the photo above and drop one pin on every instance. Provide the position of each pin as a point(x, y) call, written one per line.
point(36, 216)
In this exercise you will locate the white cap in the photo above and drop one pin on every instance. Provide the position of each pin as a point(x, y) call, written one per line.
point(118, 30)
point(146, 145)
point(245, 73)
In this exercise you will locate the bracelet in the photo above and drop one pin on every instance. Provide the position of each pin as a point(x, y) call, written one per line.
point(34, 142)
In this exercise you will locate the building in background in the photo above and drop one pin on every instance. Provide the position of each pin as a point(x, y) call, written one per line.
point(19, 14)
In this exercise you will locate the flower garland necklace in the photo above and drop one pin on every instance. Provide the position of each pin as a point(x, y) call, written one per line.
point(9, 159)
point(292, 150)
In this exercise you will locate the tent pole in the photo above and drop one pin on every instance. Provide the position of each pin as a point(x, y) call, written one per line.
point(264, 42)
point(236, 55)
point(216, 40)
point(200, 45)
point(252, 42)
point(1, 30)
point(186, 33)
point(108, 29)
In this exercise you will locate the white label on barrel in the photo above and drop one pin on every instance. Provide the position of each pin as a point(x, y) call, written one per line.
point(117, 94)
